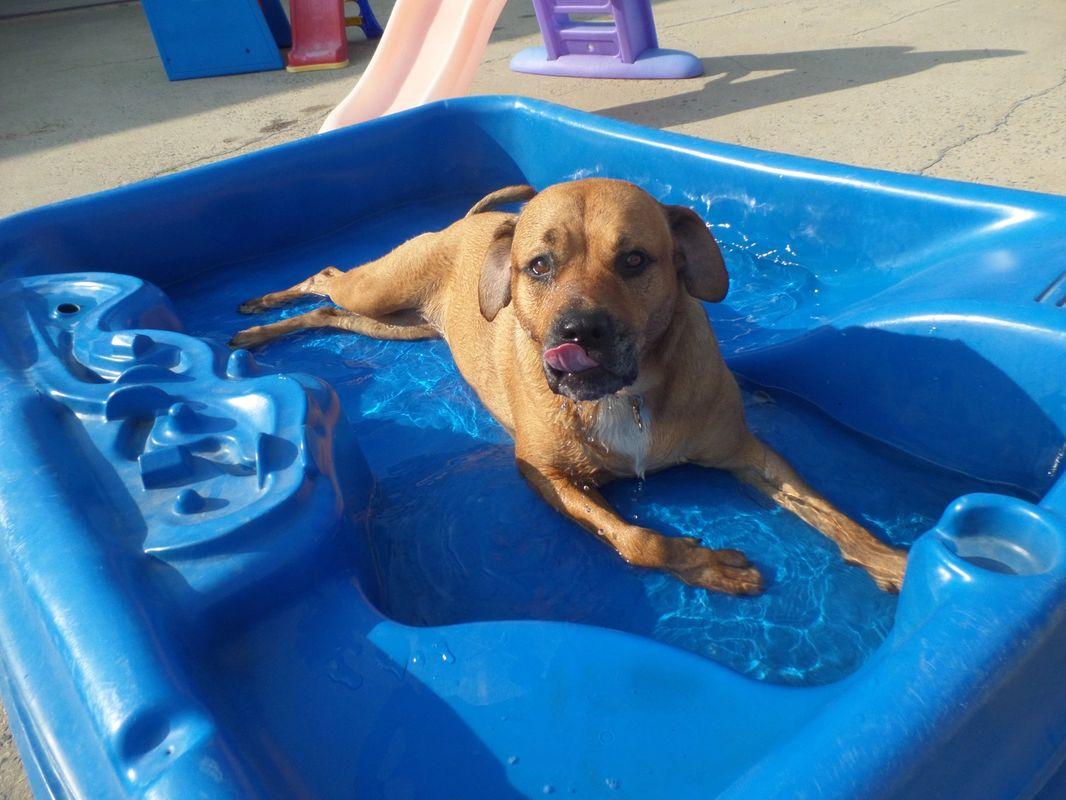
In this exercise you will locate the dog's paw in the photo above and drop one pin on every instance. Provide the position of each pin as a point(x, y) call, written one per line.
point(249, 337)
point(887, 570)
point(884, 564)
point(254, 306)
point(727, 571)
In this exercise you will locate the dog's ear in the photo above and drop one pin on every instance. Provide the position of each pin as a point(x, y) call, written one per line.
point(698, 258)
point(494, 286)
point(502, 197)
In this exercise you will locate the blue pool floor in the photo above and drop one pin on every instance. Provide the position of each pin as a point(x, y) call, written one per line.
point(456, 535)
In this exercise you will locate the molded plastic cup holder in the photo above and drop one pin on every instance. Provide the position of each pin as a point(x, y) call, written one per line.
point(1000, 534)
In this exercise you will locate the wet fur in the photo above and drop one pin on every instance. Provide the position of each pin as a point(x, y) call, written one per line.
point(470, 284)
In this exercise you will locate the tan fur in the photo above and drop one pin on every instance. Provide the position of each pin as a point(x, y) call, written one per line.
point(447, 283)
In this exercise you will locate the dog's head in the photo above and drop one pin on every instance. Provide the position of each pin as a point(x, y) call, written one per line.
point(593, 270)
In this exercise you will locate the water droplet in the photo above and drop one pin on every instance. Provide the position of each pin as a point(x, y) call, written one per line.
point(440, 653)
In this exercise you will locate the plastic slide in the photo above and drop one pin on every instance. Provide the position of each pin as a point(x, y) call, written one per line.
point(431, 50)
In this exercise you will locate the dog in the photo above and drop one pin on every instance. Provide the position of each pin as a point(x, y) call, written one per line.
point(579, 323)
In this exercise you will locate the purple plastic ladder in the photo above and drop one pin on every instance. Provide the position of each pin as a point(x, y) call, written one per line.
point(621, 44)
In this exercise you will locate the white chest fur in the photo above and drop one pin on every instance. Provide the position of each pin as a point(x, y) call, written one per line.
point(621, 429)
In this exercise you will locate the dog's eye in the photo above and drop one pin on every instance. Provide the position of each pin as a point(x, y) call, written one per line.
point(540, 266)
point(633, 262)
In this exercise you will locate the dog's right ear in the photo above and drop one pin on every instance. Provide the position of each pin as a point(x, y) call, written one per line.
point(494, 286)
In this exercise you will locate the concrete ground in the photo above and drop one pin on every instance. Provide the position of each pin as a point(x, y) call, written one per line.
point(968, 89)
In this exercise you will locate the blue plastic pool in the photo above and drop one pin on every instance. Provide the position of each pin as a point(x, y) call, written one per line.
point(315, 572)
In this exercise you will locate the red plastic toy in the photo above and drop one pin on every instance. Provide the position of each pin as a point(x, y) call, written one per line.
point(319, 33)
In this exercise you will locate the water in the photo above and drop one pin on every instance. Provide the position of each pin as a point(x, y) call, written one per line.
point(459, 537)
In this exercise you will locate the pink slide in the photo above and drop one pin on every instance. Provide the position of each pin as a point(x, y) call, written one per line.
point(431, 50)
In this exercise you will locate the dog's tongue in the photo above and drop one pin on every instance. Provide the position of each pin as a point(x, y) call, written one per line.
point(569, 357)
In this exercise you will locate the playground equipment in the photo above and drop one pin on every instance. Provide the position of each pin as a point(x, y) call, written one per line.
point(430, 51)
point(225, 37)
point(620, 42)
point(432, 48)
point(233, 36)
point(319, 33)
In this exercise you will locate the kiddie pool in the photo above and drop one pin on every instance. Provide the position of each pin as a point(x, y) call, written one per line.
point(223, 578)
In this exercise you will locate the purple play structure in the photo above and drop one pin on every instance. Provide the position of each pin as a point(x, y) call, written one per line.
point(608, 39)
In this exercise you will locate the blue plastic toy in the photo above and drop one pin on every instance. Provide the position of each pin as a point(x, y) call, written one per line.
point(221, 37)
point(229, 580)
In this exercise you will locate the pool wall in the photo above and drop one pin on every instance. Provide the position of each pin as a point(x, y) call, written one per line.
point(938, 328)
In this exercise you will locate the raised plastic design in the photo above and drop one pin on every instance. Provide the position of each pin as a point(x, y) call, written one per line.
point(219, 464)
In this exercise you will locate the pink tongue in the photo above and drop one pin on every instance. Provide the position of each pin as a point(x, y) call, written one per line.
point(569, 357)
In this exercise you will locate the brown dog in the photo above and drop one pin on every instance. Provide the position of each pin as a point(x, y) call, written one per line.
point(579, 325)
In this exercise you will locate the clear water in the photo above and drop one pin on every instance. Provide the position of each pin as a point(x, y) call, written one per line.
point(457, 536)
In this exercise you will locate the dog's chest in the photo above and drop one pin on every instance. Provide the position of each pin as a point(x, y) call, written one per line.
point(620, 431)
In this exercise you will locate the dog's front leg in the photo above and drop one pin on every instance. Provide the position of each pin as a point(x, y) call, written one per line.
point(758, 465)
point(726, 571)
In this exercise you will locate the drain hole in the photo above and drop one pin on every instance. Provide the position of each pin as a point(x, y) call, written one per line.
point(68, 308)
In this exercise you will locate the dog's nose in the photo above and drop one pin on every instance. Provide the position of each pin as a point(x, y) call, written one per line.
point(587, 328)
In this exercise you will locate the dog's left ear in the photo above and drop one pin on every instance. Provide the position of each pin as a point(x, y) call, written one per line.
point(494, 286)
point(699, 259)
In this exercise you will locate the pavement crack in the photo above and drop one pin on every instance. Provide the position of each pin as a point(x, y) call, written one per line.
point(911, 14)
point(1000, 123)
